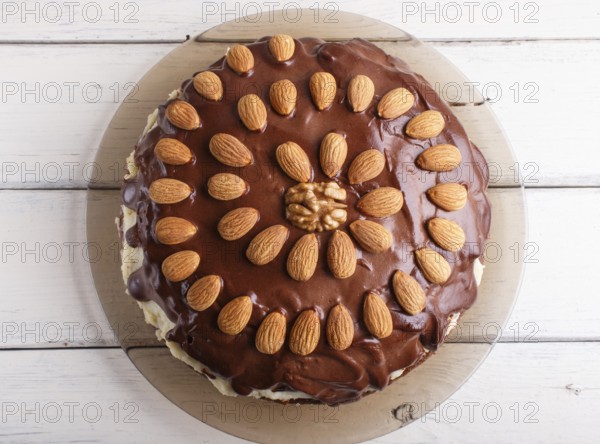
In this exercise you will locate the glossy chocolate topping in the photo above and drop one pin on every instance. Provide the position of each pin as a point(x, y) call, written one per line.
point(327, 375)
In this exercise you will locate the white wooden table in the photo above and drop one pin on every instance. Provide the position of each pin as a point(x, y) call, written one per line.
point(66, 66)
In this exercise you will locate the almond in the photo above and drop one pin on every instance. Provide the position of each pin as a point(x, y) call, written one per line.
point(409, 293)
point(172, 151)
point(174, 230)
point(271, 333)
point(252, 111)
point(240, 59)
point(183, 115)
point(334, 150)
point(447, 234)
point(322, 89)
point(293, 160)
point(208, 85)
point(341, 255)
point(203, 293)
point(377, 316)
point(180, 265)
point(366, 166)
point(226, 186)
point(282, 47)
point(439, 158)
point(267, 244)
point(228, 150)
point(340, 328)
point(303, 258)
point(234, 317)
point(237, 223)
point(360, 93)
point(426, 125)
point(448, 196)
point(371, 236)
point(168, 191)
point(433, 265)
point(305, 333)
point(283, 96)
point(381, 202)
point(395, 103)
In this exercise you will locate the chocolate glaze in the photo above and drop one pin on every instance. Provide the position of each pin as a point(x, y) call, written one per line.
point(328, 375)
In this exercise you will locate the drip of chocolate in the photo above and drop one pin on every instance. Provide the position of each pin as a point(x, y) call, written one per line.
point(328, 375)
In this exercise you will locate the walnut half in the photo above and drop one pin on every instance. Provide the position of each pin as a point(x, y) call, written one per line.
point(316, 206)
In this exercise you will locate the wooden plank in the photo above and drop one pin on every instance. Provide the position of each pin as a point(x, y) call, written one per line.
point(49, 297)
point(52, 145)
point(149, 21)
point(562, 222)
point(524, 83)
point(53, 303)
point(536, 400)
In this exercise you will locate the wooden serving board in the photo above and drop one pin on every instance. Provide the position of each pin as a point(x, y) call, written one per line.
point(377, 414)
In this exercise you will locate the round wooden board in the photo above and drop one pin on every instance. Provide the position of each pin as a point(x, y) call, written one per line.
point(408, 398)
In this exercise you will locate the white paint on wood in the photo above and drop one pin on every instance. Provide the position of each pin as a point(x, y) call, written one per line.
point(527, 84)
point(52, 143)
point(48, 295)
point(518, 391)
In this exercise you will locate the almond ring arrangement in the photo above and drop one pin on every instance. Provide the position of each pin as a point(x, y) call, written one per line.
point(297, 221)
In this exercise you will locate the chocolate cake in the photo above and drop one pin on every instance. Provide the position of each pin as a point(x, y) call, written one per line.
point(304, 220)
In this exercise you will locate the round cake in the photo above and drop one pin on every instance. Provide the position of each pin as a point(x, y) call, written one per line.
point(304, 221)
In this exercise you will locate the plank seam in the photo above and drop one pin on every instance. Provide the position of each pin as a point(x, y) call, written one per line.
point(448, 42)
point(116, 347)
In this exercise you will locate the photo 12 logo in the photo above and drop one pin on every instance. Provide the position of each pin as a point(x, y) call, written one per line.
point(269, 11)
point(469, 12)
point(250, 411)
point(68, 12)
point(67, 92)
point(52, 412)
point(452, 412)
